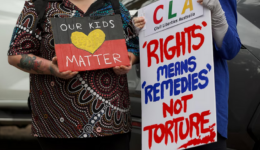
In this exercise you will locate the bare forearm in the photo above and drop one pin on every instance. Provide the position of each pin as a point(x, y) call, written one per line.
point(31, 63)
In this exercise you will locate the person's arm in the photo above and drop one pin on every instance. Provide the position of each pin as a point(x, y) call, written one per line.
point(224, 22)
point(219, 22)
point(25, 46)
point(132, 42)
point(231, 42)
point(30, 63)
point(37, 65)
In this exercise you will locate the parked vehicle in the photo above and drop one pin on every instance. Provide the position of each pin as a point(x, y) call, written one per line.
point(244, 101)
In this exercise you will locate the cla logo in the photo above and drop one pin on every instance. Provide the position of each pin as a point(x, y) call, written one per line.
point(187, 5)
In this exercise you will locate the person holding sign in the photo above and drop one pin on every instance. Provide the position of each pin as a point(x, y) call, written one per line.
point(74, 110)
point(226, 46)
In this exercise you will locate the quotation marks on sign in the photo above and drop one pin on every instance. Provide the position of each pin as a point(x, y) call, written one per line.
point(182, 39)
point(191, 82)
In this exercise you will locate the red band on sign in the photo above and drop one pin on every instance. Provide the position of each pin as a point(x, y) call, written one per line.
point(111, 53)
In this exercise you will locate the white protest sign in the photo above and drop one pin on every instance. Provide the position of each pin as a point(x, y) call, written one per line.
point(178, 91)
point(167, 13)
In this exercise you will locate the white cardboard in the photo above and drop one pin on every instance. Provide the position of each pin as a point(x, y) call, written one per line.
point(203, 99)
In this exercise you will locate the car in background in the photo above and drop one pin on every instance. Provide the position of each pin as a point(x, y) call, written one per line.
point(14, 84)
point(244, 99)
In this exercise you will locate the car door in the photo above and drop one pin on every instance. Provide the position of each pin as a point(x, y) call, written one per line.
point(244, 99)
point(14, 84)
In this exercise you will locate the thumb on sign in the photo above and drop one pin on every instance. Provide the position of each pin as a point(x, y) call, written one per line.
point(120, 70)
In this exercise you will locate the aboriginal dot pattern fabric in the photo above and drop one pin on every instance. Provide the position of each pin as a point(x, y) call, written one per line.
point(93, 103)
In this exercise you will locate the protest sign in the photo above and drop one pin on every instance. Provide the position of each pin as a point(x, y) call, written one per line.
point(85, 43)
point(177, 78)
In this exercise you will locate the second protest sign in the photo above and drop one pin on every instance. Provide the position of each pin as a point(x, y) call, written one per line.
point(178, 91)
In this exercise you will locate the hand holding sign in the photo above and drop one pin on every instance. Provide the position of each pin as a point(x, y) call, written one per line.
point(55, 70)
point(219, 21)
point(120, 70)
point(139, 22)
point(200, 1)
point(213, 5)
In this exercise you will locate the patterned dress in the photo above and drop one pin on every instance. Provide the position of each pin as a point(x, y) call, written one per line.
point(93, 103)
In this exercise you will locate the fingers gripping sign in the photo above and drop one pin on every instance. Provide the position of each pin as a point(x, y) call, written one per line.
point(212, 5)
point(55, 70)
point(139, 22)
point(120, 70)
point(200, 1)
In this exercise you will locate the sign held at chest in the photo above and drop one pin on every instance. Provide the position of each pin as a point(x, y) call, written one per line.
point(89, 44)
